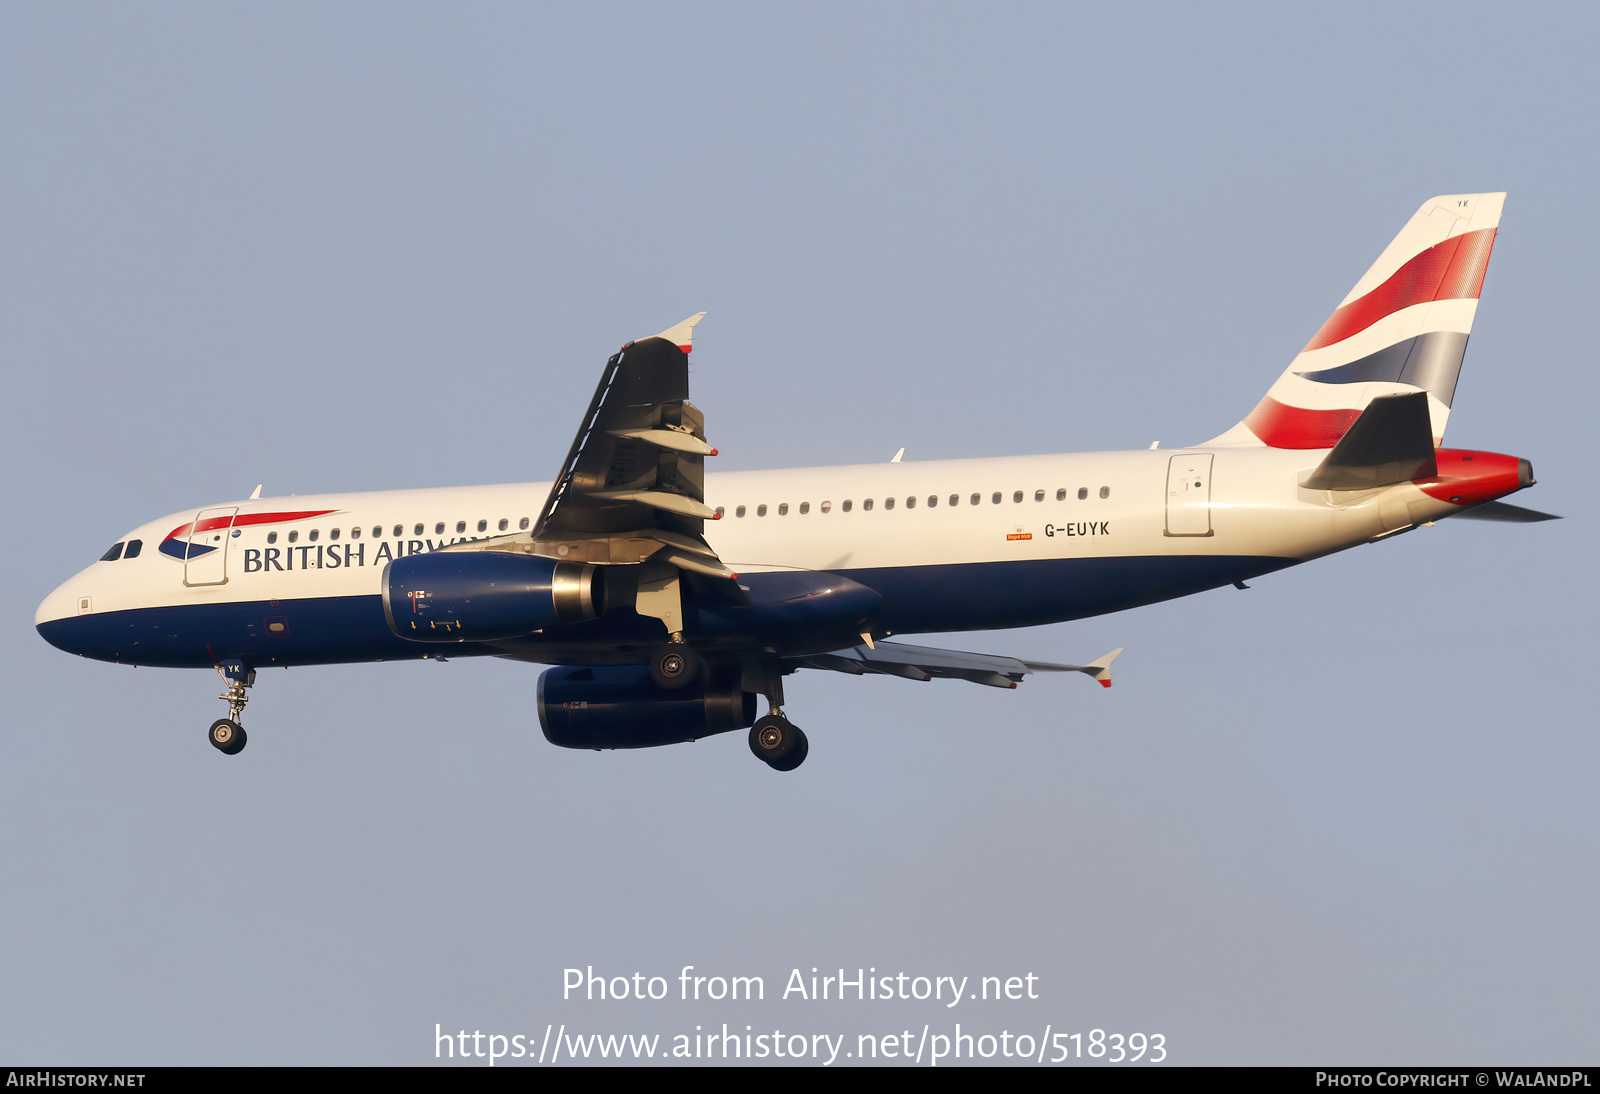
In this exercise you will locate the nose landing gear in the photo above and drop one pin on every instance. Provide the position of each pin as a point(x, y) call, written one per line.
point(227, 736)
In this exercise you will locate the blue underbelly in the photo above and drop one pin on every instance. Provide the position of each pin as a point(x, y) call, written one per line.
point(335, 630)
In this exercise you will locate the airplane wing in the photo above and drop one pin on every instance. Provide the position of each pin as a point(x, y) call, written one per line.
point(925, 663)
point(633, 485)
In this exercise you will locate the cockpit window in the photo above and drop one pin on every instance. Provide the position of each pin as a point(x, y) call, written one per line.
point(113, 553)
point(134, 547)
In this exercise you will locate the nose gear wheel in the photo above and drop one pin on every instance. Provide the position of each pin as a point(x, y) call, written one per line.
point(227, 737)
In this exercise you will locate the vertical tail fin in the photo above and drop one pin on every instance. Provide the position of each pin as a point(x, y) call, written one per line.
point(1403, 328)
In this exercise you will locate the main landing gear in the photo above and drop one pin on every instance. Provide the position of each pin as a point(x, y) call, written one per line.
point(227, 736)
point(675, 665)
point(776, 741)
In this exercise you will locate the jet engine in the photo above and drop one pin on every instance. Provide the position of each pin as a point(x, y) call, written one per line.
point(620, 706)
point(484, 596)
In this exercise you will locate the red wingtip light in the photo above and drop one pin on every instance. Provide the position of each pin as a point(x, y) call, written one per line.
point(713, 451)
point(1105, 683)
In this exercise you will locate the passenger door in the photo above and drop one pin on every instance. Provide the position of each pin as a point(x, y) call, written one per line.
point(1189, 494)
point(205, 560)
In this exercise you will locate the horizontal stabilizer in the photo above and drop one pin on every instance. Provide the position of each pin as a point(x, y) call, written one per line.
point(925, 663)
point(1392, 441)
point(1501, 511)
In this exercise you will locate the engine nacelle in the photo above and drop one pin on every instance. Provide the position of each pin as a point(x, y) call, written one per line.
point(484, 596)
point(619, 706)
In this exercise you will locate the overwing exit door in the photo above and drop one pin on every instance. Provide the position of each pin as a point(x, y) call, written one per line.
point(205, 558)
point(1189, 494)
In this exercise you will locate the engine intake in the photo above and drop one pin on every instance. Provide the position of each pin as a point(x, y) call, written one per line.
point(484, 596)
point(619, 706)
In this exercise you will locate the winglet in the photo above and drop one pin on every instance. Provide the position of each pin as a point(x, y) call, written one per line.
point(256, 494)
point(682, 335)
point(1101, 669)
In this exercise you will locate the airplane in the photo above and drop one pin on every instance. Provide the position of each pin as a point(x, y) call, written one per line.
point(668, 600)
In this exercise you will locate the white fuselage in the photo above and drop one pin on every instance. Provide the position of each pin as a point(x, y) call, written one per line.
point(919, 531)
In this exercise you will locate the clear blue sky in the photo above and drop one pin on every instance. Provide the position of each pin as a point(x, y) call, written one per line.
point(1347, 816)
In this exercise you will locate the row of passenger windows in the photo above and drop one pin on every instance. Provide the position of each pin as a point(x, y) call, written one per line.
point(399, 530)
point(911, 503)
point(133, 546)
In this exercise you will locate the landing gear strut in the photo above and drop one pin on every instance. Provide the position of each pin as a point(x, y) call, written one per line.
point(227, 736)
point(776, 741)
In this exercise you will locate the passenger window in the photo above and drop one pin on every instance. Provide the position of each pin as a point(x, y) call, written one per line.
point(438, 529)
point(272, 537)
point(417, 531)
point(719, 511)
point(761, 510)
point(461, 526)
point(866, 506)
point(845, 506)
point(783, 508)
point(113, 552)
point(293, 536)
point(1083, 492)
point(313, 536)
point(377, 531)
point(1017, 496)
point(933, 499)
point(827, 507)
point(355, 533)
point(739, 512)
point(134, 547)
point(805, 507)
point(333, 533)
point(504, 524)
point(524, 524)
point(483, 526)
point(996, 499)
point(1061, 495)
point(911, 503)
point(976, 498)
point(1105, 491)
point(955, 499)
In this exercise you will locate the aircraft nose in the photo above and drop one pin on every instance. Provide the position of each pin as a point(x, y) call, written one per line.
point(60, 604)
point(61, 616)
